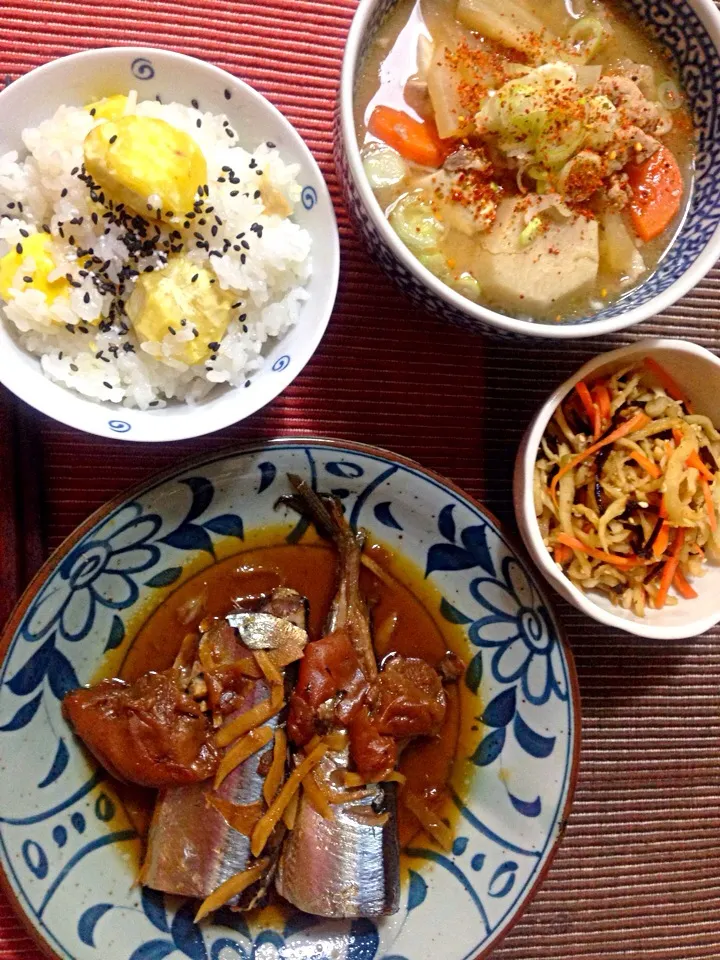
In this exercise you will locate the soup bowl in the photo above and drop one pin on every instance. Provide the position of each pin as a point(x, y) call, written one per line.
point(689, 30)
point(698, 371)
point(83, 77)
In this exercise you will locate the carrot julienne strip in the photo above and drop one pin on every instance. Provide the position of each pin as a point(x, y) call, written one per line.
point(614, 559)
point(668, 382)
point(670, 568)
point(231, 888)
point(694, 461)
point(682, 586)
point(629, 426)
point(646, 463)
point(593, 414)
point(266, 825)
point(662, 540)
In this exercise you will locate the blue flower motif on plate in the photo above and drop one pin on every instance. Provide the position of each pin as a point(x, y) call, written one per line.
point(519, 630)
point(98, 571)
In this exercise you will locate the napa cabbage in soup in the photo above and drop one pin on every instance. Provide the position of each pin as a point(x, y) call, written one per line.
point(536, 157)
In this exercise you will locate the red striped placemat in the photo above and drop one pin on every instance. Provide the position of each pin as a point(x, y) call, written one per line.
point(638, 874)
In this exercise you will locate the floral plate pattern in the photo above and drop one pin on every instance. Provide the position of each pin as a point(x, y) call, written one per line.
point(67, 846)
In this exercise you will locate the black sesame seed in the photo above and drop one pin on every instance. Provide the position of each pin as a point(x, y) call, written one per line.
point(243, 258)
point(214, 357)
point(236, 305)
point(242, 318)
point(153, 403)
point(83, 330)
point(198, 122)
point(27, 279)
point(226, 123)
point(183, 322)
point(237, 248)
point(74, 367)
point(92, 112)
point(229, 132)
point(71, 240)
point(245, 329)
point(214, 230)
point(170, 213)
point(195, 104)
point(74, 171)
point(195, 332)
point(221, 180)
point(227, 94)
point(70, 328)
point(247, 383)
point(86, 298)
point(24, 233)
point(18, 248)
point(11, 205)
point(60, 355)
point(106, 384)
point(187, 224)
point(171, 330)
point(245, 244)
point(270, 144)
point(192, 280)
point(253, 163)
point(257, 195)
point(259, 172)
point(213, 345)
point(234, 193)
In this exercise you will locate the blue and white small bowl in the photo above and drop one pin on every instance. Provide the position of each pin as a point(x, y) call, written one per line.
point(88, 76)
point(690, 32)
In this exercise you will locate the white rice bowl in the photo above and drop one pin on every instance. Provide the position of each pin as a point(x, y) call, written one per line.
point(268, 273)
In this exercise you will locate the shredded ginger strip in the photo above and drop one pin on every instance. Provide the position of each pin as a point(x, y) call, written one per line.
point(251, 718)
point(231, 888)
point(240, 751)
point(266, 825)
point(276, 773)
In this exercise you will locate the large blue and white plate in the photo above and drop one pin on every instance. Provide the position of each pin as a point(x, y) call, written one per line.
point(67, 847)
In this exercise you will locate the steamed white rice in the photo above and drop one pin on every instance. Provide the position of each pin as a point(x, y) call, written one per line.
point(266, 262)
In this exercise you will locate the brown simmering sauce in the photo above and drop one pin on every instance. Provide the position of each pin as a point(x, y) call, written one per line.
point(403, 597)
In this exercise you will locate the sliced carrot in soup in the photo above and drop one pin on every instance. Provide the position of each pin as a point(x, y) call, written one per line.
point(657, 189)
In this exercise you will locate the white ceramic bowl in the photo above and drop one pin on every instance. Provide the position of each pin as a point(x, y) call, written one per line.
point(689, 31)
point(84, 77)
point(698, 371)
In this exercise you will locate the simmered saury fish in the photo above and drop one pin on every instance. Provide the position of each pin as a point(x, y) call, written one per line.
point(347, 866)
point(192, 848)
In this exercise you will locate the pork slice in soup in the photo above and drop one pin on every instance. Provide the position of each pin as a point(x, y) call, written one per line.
point(537, 158)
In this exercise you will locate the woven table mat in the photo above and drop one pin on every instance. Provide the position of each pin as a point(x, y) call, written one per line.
point(638, 873)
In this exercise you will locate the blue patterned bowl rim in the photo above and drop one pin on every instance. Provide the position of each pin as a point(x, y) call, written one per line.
point(10, 632)
point(689, 30)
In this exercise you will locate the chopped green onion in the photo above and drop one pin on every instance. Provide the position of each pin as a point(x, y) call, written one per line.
point(530, 232)
point(586, 37)
point(384, 167)
point(669, 95)
point(414, 223)
point(467, 285)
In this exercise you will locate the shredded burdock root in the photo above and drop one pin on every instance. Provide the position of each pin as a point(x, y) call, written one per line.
point(626, 488)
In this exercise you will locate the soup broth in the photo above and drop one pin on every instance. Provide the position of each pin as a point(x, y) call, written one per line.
point(536, 157)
